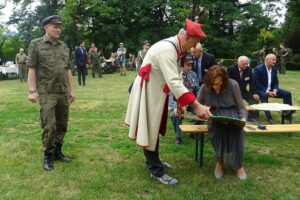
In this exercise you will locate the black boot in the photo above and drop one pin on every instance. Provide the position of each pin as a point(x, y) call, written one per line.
point(58, 155)
point(48, 162)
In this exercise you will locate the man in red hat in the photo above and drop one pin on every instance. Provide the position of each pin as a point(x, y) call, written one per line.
point(148, 103)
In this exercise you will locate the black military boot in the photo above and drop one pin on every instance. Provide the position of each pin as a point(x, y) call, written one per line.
point(58, 155)
point(48, 162)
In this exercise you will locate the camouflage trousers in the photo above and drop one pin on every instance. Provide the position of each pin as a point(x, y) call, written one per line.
point(54, 117)
point(282, 67)
point(23, 73)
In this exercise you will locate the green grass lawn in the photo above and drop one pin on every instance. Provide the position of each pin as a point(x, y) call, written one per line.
point(107, 165)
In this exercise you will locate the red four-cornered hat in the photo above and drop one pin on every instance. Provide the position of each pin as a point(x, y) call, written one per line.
point(194, 29)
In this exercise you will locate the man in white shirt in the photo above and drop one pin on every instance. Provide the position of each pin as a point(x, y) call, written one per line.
point(267, 84)
point(241, 73)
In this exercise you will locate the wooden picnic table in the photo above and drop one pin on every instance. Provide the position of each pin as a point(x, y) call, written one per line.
point(200, 130)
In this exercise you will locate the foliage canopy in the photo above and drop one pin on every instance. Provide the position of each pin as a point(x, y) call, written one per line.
point(233, 27)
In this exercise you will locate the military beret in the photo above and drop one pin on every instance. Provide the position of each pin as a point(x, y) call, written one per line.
point(194, 29)
point(53, 19)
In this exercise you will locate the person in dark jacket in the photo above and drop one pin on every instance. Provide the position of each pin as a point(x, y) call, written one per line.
point(242, 74)
point(202, 61)
point(81, 62)
point(267, 84)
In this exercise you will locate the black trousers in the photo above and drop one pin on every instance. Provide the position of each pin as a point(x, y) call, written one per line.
point(81, 74)
point(153, 162)
point(250, 100)
point(283, 94)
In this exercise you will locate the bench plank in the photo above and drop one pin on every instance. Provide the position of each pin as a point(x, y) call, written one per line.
point(278, 128)
point(274, 128)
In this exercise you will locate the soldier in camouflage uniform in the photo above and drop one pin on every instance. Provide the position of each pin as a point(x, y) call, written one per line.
point(276, 53)
point(21, 63)
point(95, 62)
point(141, 54)
point(260, 54)
point(283, 52)
point(50, 84)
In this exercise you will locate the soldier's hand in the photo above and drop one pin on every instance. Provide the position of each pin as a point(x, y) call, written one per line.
point(34, 97)
point(71, 96)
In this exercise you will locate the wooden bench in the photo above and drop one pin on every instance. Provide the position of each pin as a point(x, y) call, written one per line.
point(200, 130)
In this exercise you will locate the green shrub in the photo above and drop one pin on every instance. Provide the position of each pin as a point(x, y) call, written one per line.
point(293, 62)
point(227, 62)
point(293, 65)
point(253, 63)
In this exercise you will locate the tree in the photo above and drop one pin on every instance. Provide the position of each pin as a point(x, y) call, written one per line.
point(11, 47)
point(292, 26)
point(3, 38)
point(29, 21)
point(3, 4)
point(232, 27)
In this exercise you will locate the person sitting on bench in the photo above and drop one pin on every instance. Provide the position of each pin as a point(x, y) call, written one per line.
point(242, 74)
point(267, 84)
point(224, 98)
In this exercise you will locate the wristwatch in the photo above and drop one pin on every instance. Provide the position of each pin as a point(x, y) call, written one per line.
point(32, 91)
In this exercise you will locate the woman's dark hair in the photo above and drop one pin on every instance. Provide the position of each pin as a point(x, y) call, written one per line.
point(214, 72)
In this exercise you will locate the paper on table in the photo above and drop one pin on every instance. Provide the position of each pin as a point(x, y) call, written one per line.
point(273, 107)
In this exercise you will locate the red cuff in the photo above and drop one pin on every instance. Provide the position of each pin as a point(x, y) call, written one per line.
point(186, 99)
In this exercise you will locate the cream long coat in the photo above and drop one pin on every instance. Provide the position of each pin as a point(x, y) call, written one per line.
point(147, 101)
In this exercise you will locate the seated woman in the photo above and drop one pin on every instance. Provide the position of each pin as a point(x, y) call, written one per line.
point(224, 98)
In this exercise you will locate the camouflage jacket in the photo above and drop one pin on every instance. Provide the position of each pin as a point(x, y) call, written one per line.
point(51, 62)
